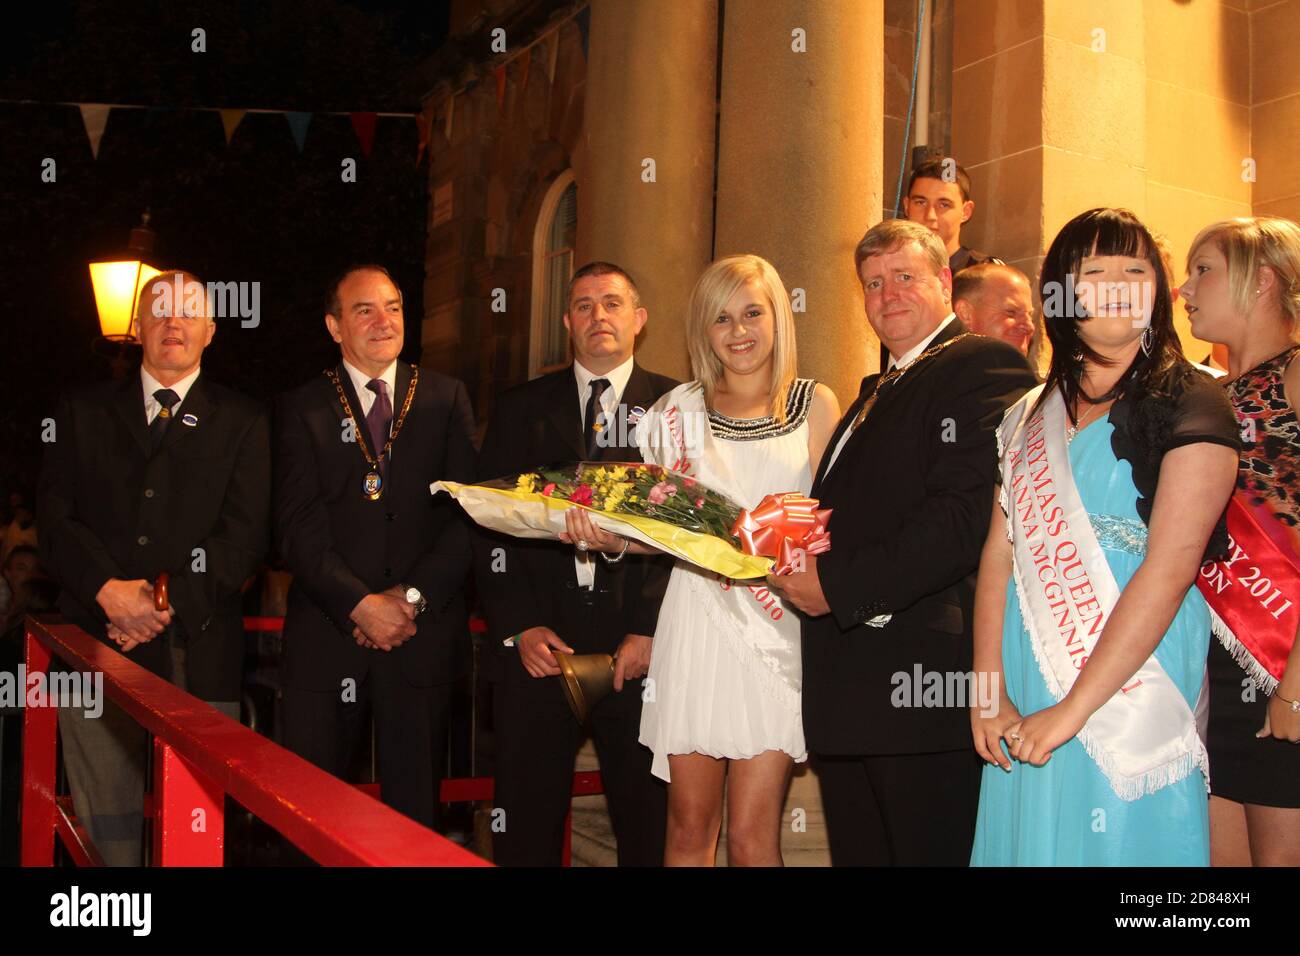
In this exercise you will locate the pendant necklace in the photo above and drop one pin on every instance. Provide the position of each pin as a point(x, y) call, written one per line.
point(373, 485)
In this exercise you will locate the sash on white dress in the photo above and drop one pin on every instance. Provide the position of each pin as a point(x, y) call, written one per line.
point(762, 632)
point(1145, 737)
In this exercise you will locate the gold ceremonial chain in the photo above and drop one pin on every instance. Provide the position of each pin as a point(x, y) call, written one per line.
point(356, 429)
point(897, 373)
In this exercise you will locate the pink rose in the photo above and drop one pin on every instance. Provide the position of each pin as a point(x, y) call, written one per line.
point(699, 502)
point(548, 489)
point(660, 492)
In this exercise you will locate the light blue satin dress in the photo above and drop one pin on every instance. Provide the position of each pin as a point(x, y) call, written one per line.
point(1065, 812)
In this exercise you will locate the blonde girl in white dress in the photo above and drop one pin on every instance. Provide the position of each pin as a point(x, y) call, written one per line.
point(721, 710)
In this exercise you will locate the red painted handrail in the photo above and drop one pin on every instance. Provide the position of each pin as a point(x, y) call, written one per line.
point(199, 755)
point(275, 624)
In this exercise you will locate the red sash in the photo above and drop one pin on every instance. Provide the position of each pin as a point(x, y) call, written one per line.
point(1254, 595)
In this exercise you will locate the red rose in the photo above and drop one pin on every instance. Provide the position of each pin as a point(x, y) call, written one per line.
point(581, 495)
point(549, 488)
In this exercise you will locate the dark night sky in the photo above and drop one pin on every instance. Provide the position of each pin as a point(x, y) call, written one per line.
point(254, 211)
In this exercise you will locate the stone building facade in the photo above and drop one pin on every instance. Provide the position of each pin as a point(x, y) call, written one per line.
point(663, 133)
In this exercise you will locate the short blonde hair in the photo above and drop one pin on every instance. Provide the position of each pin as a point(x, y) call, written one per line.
point(1249, 242)
point(889, 234)
point(714, 289)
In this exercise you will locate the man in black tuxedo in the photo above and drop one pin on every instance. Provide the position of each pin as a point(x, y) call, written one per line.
point(543, 599)
point(162, 471)
point(376, 612)
point(910, 475)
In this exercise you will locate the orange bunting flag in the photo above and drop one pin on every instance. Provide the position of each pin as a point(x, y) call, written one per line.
point(95, 118)
point(230, 120)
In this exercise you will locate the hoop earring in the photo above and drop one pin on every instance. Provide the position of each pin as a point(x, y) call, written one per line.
point(1148, 337)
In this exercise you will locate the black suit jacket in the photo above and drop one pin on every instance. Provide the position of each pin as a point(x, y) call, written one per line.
point(540, 423)
point(109, 509)
point(912, 492)
point(341, 546)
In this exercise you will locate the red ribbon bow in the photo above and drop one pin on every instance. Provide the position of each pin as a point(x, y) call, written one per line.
point(783, 526)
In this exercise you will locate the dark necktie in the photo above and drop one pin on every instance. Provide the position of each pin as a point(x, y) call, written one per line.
point(168, 399)
point(378, 419)
point(591, 418)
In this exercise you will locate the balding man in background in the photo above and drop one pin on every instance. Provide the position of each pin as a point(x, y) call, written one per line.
point(164, 470)
point(995, 299)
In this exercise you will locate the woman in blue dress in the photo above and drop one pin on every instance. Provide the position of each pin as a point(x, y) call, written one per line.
point(1115, 477)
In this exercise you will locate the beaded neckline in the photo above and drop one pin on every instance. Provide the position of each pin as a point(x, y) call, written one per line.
point(750, 429)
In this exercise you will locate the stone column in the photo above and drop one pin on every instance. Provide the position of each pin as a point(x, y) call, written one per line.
point(645, 168)
point(799, 163)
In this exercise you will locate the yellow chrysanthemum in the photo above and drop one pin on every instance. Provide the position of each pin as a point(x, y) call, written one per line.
point(526, 483)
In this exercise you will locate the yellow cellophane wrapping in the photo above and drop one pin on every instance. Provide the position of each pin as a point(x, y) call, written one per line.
point(525, 514)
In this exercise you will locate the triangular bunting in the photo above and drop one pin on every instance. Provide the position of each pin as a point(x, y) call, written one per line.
point(298, 123)
point(584, 25)
point(364, 125)
point(525, 61)
point(95, 117)
point(552, 54)
point(421, 124)
point(230, 120)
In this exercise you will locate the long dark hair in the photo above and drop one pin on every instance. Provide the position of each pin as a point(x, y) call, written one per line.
point(1103, 232)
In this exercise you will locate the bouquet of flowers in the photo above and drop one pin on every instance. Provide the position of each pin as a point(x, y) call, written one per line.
point(648, 503)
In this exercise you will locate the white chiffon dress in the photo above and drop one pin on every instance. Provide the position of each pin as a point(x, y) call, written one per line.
point(725, 670)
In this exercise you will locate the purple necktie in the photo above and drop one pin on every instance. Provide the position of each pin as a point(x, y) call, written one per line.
point(378, 420)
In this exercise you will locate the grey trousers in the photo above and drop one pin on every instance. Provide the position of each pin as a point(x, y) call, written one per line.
point(105, 760)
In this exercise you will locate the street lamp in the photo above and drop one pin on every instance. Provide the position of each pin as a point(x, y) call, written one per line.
point(118, 282)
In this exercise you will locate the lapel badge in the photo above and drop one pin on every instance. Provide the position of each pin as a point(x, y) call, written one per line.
point(635, 415)
point(190, 420)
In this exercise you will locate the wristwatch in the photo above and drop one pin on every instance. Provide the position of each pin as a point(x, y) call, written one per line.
point(413, 596)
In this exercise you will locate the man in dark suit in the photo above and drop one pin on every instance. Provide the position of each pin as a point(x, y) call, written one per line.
point(910, 475)
point(996, 300)
point(376, 613)
point(163, 471)
point(544, 600)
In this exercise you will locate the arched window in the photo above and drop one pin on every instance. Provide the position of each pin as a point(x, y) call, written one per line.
point(554, 238)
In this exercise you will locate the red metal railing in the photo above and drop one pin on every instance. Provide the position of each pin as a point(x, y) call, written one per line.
point(467, 789)
point(200, 755)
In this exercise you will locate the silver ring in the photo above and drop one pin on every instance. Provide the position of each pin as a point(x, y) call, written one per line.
point(582, 544)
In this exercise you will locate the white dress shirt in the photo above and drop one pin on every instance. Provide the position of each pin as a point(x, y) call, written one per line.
point(367, 398)
point(609, 400)
point(908, 357)
point(151, 385)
